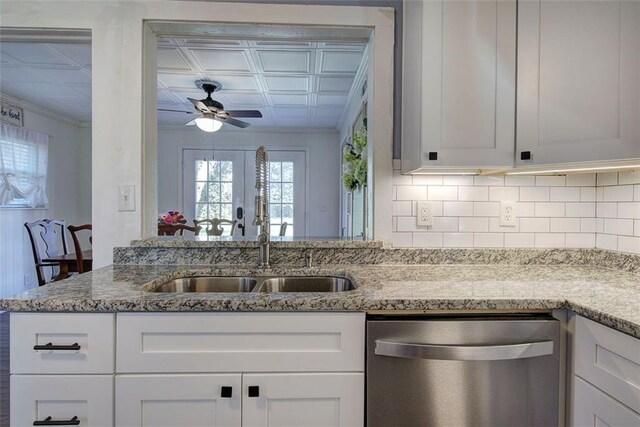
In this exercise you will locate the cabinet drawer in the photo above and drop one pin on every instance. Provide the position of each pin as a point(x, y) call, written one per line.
point(62, 397)
point(610, 360)
point(594, 408)
point(239, 342)
point(93, 333)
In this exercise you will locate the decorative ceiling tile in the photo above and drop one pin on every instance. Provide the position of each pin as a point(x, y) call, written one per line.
point(66, 75)
point(222, 59)
point(242, 99)
point(285, 61)
point(288, 83)
point(278, 100)
point(170, 59)
point(237, 82)
point(33, 53)
point(324, 100)
point(178, 80)
point(290, 112)
point(80, 53)
point(339, 61)
point(334, 84)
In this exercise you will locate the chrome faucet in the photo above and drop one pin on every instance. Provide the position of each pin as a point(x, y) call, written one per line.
point(262, 206)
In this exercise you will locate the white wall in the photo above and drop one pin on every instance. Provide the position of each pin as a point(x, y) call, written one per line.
point(323, 166)
point(69, 193)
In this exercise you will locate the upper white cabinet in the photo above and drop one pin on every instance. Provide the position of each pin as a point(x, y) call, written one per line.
point(578, 81)
point(459, 83)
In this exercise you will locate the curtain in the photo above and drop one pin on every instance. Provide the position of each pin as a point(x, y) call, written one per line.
point(23, 167)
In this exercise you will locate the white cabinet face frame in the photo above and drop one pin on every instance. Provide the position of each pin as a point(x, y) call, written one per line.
point(459, 84)
point(578, 81)
point(593, 407)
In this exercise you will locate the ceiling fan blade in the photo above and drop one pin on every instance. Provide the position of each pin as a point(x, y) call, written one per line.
point(244, 113)
point(232, 121)
point(176, 111)
point(199, 105)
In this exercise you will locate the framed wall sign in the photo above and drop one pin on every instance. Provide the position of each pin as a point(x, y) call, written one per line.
point(11, 114)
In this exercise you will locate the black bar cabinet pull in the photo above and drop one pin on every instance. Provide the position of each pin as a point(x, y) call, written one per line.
point(226, 391)
point(50, 346)
point(254, 391)
point(50, 422)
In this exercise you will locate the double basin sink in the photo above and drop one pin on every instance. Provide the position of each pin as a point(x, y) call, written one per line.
point(256, 284)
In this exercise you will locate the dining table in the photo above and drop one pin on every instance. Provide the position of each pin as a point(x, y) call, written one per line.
point(68, 263)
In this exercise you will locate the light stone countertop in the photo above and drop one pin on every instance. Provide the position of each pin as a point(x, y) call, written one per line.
point(251, 242)
point(608, 296)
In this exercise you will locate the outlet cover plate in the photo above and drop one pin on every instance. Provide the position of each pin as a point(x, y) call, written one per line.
point(508, 214)
point(424, 214)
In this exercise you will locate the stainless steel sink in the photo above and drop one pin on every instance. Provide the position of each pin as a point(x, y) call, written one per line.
point(256, 284)
point(208, 284)
point(306, 284)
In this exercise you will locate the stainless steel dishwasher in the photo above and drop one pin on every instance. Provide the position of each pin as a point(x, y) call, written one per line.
point(463, 371)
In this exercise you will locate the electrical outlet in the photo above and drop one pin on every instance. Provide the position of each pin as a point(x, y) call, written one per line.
point(508, 214)
point(424, 214)
point(126, 198)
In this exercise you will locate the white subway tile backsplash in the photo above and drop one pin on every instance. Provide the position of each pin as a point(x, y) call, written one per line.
point(550, 181)
point(605, 179)
point(550, 240)
point(427, 179)
point(574, 211)
point(607, 241)
point(581, 180)
point(486, 208)
point(474, 224)
point(618, 193)
point(629, 178)
point(411, 192)
point(504, 194)
point(629, 244)
point(488, 180)
point(565, 225)
point(580, 210)
point(580, 240)
point(519, 181)
point(457, 208)
point(550, 209)
point(587, 194)
point(534, 225)
point(519, 240)
point(564, 194)
point(449, 192)
point(488, 240)
point(457, 240)
point(401, 208)
point(474, 194)
point(534, 194)
point(427, 240)
point(457, 180)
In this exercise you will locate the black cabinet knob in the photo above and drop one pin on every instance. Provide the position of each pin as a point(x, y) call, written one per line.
point(254, 391)
point(226, 391)
point(525, 155)
point(433, 155)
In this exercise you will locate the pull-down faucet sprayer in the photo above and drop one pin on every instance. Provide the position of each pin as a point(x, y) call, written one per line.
point(262, 206)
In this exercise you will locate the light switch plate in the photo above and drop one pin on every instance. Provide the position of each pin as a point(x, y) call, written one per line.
point(126, 198)
point(424, 214)
point(508, 214)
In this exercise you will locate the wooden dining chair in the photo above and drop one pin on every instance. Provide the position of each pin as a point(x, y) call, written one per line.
point(83, 265)
point(47, 238)
point(214, 226)
point(172, 229)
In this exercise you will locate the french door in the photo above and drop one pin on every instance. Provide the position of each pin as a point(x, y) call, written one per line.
point(221, 184)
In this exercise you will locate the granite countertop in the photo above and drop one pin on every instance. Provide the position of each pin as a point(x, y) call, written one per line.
point(608, 296)
point(251, 242)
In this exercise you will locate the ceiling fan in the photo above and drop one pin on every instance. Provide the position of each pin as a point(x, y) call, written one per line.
point(212, 112)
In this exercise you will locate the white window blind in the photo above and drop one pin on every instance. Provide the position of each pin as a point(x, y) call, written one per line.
point(23, 167)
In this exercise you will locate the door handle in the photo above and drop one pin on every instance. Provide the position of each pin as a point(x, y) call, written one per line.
point(50, 346)
point(463, 352)
point(50, 422)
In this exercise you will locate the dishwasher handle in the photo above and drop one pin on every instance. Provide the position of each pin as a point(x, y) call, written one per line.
point(463, 352)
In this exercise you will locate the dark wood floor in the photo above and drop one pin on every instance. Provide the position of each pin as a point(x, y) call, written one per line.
point(4, 369)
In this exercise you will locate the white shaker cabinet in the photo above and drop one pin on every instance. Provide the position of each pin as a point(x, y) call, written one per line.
point(459, 85)
point(578, 81)
point(606, 376)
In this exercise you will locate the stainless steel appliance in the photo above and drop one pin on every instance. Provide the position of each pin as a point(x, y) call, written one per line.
point(463, 371)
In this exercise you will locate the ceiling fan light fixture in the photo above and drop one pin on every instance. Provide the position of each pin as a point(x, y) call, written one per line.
point(208, 124)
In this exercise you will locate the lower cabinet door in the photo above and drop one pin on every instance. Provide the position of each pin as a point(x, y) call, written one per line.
point(301, 400)
point(85, 400)
point(178, 400)
point(592, 407)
